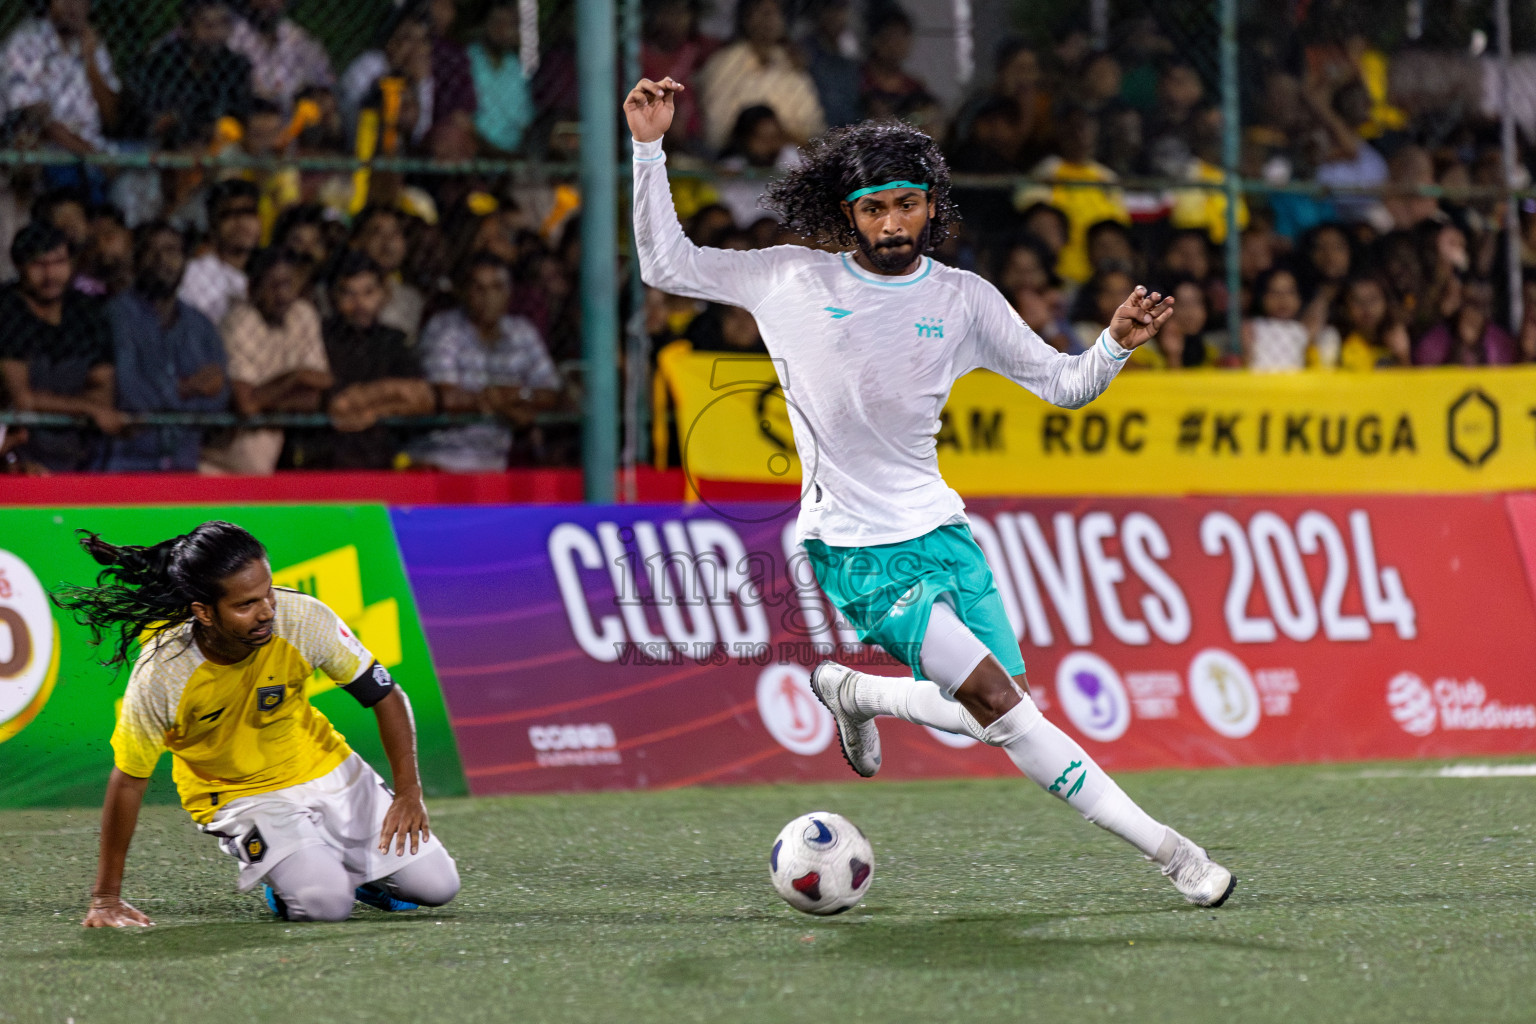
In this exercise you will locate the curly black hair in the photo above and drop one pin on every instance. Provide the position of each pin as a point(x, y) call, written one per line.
point(809, 198)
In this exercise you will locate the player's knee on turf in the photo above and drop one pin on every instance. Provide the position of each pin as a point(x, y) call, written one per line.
point(318, 903)
point(430, 881)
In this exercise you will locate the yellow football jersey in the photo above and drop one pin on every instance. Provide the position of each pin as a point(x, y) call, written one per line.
point(242, 729)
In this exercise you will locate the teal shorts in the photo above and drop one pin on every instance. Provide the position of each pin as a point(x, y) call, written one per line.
point(887, 592)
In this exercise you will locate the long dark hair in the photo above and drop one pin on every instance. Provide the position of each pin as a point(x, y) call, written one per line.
point(855, 156)
point(153, 588)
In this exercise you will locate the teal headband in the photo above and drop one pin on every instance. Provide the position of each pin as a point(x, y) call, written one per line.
point(881, 188)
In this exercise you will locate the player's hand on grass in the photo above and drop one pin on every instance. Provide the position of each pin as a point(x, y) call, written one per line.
point(114, 912)
point(407, 816)
point(648, 108)
point(1140, 317)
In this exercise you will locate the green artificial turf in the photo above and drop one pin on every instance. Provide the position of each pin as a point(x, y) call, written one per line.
point(1367, 893)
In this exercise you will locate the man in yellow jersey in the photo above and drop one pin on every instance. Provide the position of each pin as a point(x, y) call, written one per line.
point(219, 682)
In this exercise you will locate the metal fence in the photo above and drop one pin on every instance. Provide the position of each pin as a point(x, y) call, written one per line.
point(1213, 146)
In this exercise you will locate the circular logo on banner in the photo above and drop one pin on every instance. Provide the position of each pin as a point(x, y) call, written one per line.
point(791, 712)
point(1412, 704)
point(29, 649)
point(1093, 697)
point(1223, 693)
point(955, 740)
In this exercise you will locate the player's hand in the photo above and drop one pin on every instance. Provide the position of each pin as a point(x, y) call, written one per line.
point(407, 816)
point(649, 107)
point(1140, 317)
point(113, 912)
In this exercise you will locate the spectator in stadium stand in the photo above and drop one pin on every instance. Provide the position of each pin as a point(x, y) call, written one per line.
point(277, 363)
point(482, 360)
point(1188, 254)
point(1047, 223)
point(169, 357)
point(105, 266)
point(1099, 91)
point(304, 230)
point(1019, 79)
point(193, 79)
point(454, 101)
point(758, 144)
point(375, 375)
point(1274, 336)
point(1468, 337)
point(757, 69)
point(1348, 161)
point(829, 62)
point(217, 279)
point(1110, 244)
point(886, 88)
point(1372, 325)
point(285, 59)
point(505, 106)
point(1171, 122)
point(56, 353)
point(726, 329)
point(671, 45)
point(404, 51)
point(57, 67)
point(379, 232)
point(1078, 140)
point(1410, 168)
point(1095, 304)
point(1329, 258)
point(1026, 275)
point(67, 209)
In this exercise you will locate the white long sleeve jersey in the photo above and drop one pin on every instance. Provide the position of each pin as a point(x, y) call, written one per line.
point(866, 362)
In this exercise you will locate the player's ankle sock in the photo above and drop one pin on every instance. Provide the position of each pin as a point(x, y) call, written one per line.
point(913, 700)
point(1055, 762)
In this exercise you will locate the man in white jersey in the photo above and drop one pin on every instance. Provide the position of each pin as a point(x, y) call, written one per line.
point(867, 344)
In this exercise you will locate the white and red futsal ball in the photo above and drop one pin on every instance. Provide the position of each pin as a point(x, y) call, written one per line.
point(821, 863)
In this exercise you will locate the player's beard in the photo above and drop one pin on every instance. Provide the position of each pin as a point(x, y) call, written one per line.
point(884, 254)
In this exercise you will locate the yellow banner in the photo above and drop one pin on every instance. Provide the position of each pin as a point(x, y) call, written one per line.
point(1194, 432)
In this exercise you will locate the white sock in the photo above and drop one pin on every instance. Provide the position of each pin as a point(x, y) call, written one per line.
point(1056, 763)
point(912, 700)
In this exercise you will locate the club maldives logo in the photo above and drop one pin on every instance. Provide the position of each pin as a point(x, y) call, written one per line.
point(1451, 705)
point(1222, 690)
point(29, 646)
point(790, 711)
point(1093, 696)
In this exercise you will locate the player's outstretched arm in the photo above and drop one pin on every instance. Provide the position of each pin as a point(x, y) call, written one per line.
point(1004, 343)
point(668, 260)
point(407, 815)
point(119, 817)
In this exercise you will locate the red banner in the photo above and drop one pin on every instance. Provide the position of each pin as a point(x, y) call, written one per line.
point(634, 646)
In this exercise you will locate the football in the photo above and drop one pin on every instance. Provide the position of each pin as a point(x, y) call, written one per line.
point(821, 863)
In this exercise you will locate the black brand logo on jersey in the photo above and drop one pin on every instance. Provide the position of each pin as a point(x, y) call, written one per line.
point(269, 697)
point(255, 846)
point(212, 716)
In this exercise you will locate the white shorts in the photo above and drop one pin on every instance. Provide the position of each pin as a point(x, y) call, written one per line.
point(343, 809)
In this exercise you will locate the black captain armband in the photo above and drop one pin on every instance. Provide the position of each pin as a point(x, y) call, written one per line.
point(372, 686)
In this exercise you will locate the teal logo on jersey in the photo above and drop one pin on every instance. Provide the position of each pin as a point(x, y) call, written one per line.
point(929, 327)
point(838, 314)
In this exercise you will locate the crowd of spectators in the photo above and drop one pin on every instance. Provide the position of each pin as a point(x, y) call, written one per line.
point(360, 298)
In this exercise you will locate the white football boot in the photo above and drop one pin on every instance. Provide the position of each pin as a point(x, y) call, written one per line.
point(1201, 880)
point(833, 685)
